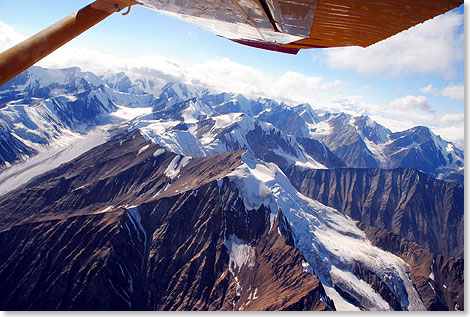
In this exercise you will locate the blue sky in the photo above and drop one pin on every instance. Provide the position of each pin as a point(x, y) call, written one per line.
point(414, 78)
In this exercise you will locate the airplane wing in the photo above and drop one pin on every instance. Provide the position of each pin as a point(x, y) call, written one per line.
point(291, 25)
point(279, 25)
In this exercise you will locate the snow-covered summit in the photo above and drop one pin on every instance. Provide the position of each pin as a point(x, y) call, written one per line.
point(55, 81)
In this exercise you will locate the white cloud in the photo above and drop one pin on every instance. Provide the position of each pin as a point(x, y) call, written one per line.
point(434, 46)
point(456, 92)
point(9, 37)
point(453, 119)
point(430, 89)
point(219, 74)
point(408, 103)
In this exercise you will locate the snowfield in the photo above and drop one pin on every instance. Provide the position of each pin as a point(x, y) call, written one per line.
point(50, 157)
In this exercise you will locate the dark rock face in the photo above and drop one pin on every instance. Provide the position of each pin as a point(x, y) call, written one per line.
point(409, 203)
point(346, 143)
point(272, 145)
point(438, 279)
point(12, 149)
point(115, 230)
point(265, 143)
point(274, 281)
point(55, 265)
point(188, 266)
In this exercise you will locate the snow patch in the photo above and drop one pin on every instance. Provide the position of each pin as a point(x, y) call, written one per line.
point(378, 152)
point(128, 113)
point(176, 165)
point(158, 152)
point(306, 267)
point(171, 171)
point(431, 275)
point(105, 210)
point(224, 120)
point(142, 149)
point(185, 161)
point(312, 164)
point(176, 141)
point(194, 110)
point(319, 130)
point(252, 177)
point(240, 253)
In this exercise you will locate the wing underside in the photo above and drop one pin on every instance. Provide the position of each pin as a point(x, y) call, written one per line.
point(290, 25)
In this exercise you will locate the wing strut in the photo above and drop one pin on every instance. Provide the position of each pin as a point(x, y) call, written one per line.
point(25, 54)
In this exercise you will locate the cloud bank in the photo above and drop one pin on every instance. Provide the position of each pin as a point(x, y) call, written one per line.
point(455, 92)
point(411, 103)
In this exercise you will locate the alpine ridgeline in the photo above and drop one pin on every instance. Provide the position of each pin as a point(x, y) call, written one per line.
point(127, 192)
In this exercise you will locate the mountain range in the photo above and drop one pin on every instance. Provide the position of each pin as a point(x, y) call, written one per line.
point(121, 193)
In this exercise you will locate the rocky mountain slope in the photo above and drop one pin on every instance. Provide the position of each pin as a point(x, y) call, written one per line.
point(73, 241)
point(129, 225)
point(406, 202)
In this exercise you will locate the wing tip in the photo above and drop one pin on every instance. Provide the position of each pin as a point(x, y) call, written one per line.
point(268, 46)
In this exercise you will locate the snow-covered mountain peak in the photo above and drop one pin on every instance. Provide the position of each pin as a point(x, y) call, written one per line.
point(370, 130)
point(121, 82)
point(74, 77)
point(194, 110)
point(181, 91)
point(306, 112)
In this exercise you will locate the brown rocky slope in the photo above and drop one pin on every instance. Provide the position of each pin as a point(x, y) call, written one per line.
point(117, 229)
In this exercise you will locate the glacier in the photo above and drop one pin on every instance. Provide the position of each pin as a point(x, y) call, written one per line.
point(329, 240)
